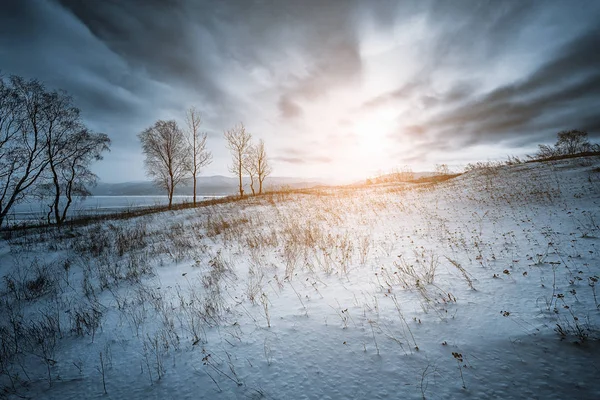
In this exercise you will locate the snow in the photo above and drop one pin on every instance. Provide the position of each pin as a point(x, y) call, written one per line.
point(4, 247)
point(362, 293)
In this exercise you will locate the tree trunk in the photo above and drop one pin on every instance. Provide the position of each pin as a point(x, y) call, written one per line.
point(252, 185)
point(240, 177)
point(56, 193)
point(64, 213)
point(194, 188)
point(21, 185)
point(171, 189)
point(69, 195)
point(48, 218)
point(260, 181)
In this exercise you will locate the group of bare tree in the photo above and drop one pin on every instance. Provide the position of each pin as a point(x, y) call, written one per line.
point(173, 155)
point(45, 149)
point(569, 143)
point(247, 158)
point(442, 169)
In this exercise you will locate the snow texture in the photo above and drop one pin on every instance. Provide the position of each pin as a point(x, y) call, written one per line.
point(483, 286)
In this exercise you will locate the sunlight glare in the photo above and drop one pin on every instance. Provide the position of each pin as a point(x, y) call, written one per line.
point(373, 130)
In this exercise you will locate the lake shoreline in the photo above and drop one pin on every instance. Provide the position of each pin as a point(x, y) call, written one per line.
point(30, 211)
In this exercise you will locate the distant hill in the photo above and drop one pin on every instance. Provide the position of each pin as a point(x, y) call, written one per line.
point(397, 177)
point(217, 185)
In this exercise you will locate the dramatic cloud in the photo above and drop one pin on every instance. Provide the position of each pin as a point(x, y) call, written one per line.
point(337, 88)
point(288, 108)
point(558, 95)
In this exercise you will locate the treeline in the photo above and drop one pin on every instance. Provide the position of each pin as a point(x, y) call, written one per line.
point(45, 148)
point(569, 143)
point(174, 155)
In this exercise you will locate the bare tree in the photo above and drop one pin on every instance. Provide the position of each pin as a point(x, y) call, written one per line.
point(238, 143)
point(442, 169)
point(569, 142)
point(167, 155)
point(9, 118)
point(256, 164)
point(545, 151)
point(61, 120)
point(403, 174)
point(249, 165)
point(263, 167)
point(71, 175)
point(572, 142)
point(200, 156)
point(44, 146)
point(70, 149)
point(23, 152)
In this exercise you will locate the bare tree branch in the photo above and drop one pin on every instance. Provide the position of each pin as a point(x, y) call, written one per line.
point(167, 157)
point(23, 148)
point(249, 164)
point(238, 143)
point(200, 156)
point(41, 138)
point(263, 167)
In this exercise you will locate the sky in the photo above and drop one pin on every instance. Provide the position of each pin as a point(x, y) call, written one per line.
point(338, 89)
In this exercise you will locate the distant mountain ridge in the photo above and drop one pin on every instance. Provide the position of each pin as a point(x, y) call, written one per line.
point(217, 185)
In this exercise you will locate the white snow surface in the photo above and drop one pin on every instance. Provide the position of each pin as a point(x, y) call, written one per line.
point(483, 286)
point(4, 247)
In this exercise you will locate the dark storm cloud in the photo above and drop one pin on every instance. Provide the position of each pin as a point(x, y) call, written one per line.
point(288, 108)
point(339, 63)
point(191, 41)
point(128, 63)
point(115, 55)
point(330, 41)
point(154, 36)
point(591, 123)
point(421, 92)
point(570, 79)
point(557, 95)
point(466, 34)
point(476, 29)
point(39, 40)
point(125, 62)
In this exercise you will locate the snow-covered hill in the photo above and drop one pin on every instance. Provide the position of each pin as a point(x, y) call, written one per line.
point(483, 286)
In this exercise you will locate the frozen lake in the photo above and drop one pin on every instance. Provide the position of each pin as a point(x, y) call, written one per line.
point(36, 210)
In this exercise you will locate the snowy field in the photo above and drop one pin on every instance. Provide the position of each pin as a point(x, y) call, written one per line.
point(483, 286)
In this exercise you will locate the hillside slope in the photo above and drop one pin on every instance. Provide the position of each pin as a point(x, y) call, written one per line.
point(483, 286)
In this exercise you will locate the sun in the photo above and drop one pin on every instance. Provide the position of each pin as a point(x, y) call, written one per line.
point(373, 130)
